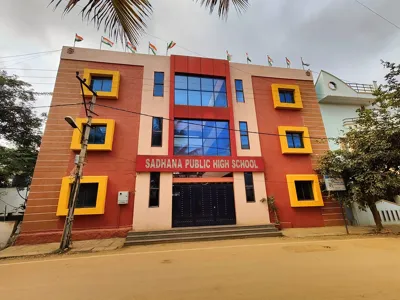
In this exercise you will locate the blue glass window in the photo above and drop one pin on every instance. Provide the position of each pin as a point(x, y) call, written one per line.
point(286, 96)
point(220, 99)
point(244, 135)
point(181, 97)
point(207, 99)
point(181, 82)
point(97, 134)
point(197, 137)
point(219, 85)
point(200, 91)
point(209, 130)
point(239, 90)
point(207, 84)
point(194, 83)
point(295, 139)
point(222, 130)
point(194, 98)
point(156, 132)
point(101, 84)
point(158, 90)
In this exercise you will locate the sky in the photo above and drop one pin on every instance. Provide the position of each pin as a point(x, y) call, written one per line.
point(338, 36)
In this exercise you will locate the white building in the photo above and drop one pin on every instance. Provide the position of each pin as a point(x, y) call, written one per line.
point(339, 102)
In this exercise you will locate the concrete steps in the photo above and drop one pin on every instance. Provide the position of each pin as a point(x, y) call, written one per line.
point(194, 234)
point(331, 210)
point(334, 216)
point(337, 222)
point(332, 213)
point(331, 204)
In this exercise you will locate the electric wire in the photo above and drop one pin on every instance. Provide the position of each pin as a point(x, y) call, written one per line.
point(214, 127)
point(28, 54)
point(377, 14)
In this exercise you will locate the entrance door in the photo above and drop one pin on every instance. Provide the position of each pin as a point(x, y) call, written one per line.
point(203, 204)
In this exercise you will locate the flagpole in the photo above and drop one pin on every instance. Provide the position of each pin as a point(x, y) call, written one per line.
point(101, 41)
point(74, 40)
point(302, 64)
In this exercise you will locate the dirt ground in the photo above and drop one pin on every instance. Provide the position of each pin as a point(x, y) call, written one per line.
point(270, 268)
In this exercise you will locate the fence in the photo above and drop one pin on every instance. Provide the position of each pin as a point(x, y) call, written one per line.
point(389, 212)
point(362, 88)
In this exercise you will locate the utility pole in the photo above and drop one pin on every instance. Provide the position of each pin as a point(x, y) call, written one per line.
point(66, 237)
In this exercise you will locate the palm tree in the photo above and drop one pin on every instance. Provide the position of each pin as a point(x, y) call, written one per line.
point(125, 19)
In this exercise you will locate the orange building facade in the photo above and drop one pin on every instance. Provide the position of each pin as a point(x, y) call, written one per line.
point(178, 142)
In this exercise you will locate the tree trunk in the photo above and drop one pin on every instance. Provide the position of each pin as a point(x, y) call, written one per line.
point(377, 217)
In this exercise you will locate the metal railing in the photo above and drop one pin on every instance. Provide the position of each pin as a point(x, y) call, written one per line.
point(349, 121)
point(362, 88)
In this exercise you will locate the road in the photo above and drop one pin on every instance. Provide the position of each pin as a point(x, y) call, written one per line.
point(332, 268)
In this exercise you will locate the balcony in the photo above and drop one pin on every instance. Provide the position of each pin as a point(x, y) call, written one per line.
point(347, 122)
point(362, 88)
point(330, 89)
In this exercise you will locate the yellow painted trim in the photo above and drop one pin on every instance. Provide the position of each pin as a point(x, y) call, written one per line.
point(76, 135)
point(88, 73)
point(306, 140)
point(298, 104)
point(62, 208)
point(294, 202)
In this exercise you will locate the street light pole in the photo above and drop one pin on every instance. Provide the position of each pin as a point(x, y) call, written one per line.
point(66, 237)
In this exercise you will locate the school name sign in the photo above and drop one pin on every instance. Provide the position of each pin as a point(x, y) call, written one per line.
point(146, 163)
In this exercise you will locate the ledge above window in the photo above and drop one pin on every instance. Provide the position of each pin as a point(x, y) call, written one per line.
point(98, 207)
point(106, 141)
point(295, 98)
point(111, 91)
point(291, 147)
point(301, 188)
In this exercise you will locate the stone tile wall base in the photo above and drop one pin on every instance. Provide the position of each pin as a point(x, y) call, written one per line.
point(55, 236)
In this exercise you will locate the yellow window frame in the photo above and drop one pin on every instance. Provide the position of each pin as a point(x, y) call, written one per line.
point(65, 191)
point(294, 201)
point(282, 130)
point(113, 94)
point(77, 134)
point(298, 104)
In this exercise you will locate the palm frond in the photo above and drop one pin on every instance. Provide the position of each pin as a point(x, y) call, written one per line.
point(223, 6)
point(122, 19)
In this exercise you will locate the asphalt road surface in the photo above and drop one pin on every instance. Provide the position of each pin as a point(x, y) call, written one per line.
point(333, 268)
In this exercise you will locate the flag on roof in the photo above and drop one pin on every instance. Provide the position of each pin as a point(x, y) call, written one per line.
point(228, 56)
point(171, 45)
point(304, 64)
point(288, 62)
point(270, 61)
point(78, 38)
point(248, 58)
point(131, 47)
point(153, 48)
point(107, 41)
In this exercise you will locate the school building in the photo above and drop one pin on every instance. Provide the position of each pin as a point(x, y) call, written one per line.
point(178, 141)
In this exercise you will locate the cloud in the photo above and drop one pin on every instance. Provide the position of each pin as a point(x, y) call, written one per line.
point(339, 36)
point(342, 35)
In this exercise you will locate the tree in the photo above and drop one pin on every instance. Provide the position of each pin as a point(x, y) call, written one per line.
point(370, 162)
point(125, 19)
point(20, 131)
